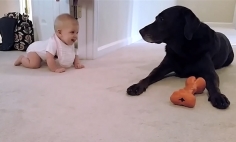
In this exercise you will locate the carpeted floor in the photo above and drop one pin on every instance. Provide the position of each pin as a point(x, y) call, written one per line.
point(91, 105)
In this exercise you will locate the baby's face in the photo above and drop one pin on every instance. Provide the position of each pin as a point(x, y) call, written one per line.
point(69, 34)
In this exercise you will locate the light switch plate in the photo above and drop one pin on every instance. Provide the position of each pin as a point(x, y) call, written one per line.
point(79, 11)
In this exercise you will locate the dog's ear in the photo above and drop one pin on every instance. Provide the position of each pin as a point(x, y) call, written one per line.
point(191, 23)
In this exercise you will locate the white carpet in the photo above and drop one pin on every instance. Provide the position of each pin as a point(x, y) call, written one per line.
point(91, 105)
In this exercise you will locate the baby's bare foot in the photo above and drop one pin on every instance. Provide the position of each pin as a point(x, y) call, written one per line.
point(18, 61)
point(79, 66)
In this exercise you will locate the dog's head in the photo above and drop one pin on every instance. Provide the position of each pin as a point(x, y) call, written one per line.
point(170, 23)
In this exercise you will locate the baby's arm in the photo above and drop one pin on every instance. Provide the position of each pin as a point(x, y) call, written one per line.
point(76, 59)
point(51, 50)
point(77, 63)
point(52, 63)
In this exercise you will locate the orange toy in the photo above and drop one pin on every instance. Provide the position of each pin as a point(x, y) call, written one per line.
point(185, 97)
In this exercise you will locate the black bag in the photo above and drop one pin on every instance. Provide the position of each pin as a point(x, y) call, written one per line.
point(24, 32)
point(7, 32)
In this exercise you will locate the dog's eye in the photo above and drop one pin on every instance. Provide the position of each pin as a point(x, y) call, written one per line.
point(161, 19)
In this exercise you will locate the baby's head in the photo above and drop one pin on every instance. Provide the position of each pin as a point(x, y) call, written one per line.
point(66, 27)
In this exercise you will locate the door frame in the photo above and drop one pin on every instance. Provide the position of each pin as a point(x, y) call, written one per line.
point(92, 29)
point(90, 24)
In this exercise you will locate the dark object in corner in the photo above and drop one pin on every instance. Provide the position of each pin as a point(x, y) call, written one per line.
point(7, 32)
point(24, 31)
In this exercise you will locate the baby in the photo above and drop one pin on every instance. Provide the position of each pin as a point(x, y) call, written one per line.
point(61, 44)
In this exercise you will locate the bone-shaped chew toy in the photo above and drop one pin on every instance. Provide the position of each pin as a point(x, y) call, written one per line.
point(185, 97)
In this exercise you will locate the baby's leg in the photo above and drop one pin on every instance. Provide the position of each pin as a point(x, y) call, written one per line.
point(32, 60)
point(18, 61)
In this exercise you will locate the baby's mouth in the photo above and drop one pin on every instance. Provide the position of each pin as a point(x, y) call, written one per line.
point(73, 40)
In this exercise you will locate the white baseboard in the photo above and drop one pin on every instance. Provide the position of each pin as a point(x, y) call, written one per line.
point(219, 24)
point(108, 48)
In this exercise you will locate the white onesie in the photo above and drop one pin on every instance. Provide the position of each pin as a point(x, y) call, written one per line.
point(66, 53)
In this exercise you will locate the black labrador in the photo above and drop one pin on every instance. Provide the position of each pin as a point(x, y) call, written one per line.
point(192, 49)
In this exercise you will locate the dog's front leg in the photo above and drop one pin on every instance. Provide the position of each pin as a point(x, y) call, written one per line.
point(216, 98)
point(207, 71)
point(157, 74)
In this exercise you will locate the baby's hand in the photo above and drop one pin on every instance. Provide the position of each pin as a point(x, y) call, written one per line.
point(78, 66)
point(60, 70)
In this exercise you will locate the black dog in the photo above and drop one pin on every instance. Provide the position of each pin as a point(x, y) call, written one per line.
point(192, 49)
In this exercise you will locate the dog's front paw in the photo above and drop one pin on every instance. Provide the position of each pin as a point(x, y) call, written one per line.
point(136, 89)
point(219, 101)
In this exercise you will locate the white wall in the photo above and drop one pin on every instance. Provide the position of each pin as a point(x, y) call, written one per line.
point(9, 6)
point(120, 20)
point(143, 17)
point(211, 10)
point(113, 20)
